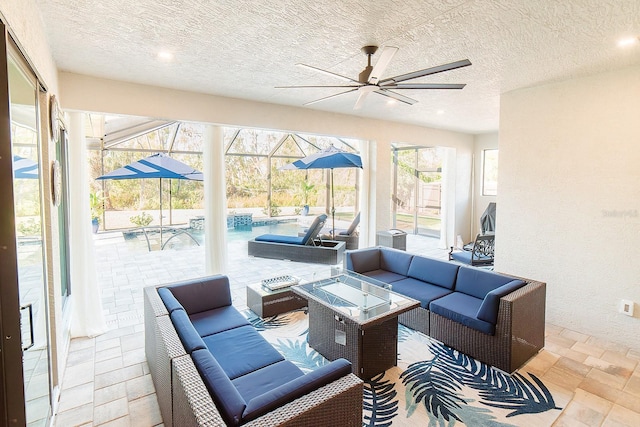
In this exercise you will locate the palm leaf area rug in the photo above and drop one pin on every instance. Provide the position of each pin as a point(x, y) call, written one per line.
point(433, 385)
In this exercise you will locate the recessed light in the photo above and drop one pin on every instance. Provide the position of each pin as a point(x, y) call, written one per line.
point(391, 101)
point(440, 112)
point(629, 41)
point(165, 56)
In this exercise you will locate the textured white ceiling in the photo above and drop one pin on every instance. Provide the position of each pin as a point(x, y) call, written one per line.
point(243, 49)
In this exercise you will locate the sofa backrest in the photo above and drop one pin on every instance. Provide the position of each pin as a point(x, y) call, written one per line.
point(478, 282)
point(395, 260)
point(362, 260)
point(433, 271)
point(202, 294)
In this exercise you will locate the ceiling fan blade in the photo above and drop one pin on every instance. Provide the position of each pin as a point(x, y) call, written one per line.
point(329, 97)
point(396, 96)
point(328, 73)
point(383, 62)
point(364, 92)
point(312, 86)
point(424, 86)
point(426, 72)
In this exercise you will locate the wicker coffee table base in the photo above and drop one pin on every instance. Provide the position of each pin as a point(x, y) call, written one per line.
point(370, 351)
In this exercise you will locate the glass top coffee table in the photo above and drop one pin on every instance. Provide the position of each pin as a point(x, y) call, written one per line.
point(355, 317)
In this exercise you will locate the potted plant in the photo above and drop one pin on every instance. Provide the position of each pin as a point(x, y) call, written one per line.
point(307, 189)
point(97, 208)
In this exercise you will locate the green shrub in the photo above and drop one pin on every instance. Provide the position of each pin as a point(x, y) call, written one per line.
point(141, 220)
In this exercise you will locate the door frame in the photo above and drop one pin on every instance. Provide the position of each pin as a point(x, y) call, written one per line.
point(12, 407)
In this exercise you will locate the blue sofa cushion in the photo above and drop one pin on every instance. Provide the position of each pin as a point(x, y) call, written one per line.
point(394, 260)
point(488, 310)
point(300, 386)
point(198, 295)
point(188, 335)
point(384, 276)
point(266, 379)
point(279, 238)
point(477, 282)
point(169, 300)
point(217, 320)
point(241, 350)
point(433, 271)
point(465, 257)
point(462, 308)
point(363, 260)
point(422, 291)
point(221, 389)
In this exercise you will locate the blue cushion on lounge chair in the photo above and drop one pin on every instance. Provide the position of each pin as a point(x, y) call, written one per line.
point(190, 338)
point(266, 379)
point(241, 350)
point(462, 308)
point(422, 291)
point(488, 310)
point(207, 293)
point(217, 320)
point(221, 389)
point(300, 386)
point(280, 238)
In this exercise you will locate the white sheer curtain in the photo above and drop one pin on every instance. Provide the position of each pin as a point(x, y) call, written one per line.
point(215, 201)
point(87, 318)
point(447, 217)
point(367, 201)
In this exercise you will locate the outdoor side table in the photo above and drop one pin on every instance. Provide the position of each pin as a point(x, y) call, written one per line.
point(267, 303)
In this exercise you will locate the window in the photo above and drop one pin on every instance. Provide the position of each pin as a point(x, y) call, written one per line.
point(490, 172)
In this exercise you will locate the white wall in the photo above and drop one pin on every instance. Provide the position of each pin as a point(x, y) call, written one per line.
point(569, 198)
point(481, 142)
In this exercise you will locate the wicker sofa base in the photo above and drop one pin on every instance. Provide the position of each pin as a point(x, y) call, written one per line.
point(185, 401)
point(519, 330)
point(416, 319)
point(328, 252)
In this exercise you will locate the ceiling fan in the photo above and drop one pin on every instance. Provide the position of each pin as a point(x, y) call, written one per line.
point(370, 79)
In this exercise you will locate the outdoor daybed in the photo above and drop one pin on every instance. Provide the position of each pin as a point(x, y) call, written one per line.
point(211, 367)
point(495, 318)
point(299, 248)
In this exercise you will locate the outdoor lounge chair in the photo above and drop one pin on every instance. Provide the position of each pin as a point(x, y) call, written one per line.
point(480, 254)
point(349, 236)
point(305, 248)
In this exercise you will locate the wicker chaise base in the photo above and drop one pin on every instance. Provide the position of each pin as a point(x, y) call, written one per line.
point(519, 330)
point(331, 252)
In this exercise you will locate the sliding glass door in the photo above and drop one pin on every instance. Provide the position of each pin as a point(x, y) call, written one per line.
point(25, 330)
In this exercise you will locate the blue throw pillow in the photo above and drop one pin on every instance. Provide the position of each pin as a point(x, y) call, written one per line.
point(488, 310)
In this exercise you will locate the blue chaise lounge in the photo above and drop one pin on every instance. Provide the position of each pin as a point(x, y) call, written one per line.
point(299, 248)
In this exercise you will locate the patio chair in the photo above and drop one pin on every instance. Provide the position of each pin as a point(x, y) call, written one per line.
point(480, 254)
point(307, 248)
point(349, 236)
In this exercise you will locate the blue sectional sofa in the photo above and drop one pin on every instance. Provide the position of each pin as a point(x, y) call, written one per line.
point(211, 367)
point(495, 318)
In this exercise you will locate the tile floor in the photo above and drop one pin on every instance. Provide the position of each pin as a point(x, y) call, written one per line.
point(107, 380)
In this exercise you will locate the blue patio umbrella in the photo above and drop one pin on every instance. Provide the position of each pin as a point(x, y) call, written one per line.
point(24, 168)
point(157, 166)
point(329, 158)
